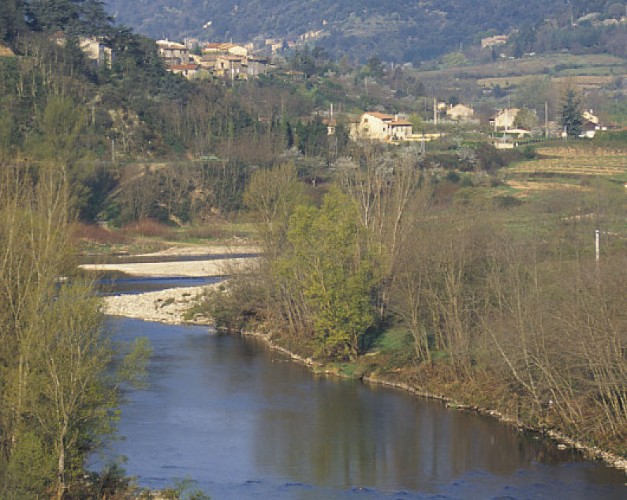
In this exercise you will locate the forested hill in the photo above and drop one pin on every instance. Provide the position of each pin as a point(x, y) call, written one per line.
point(408, 31)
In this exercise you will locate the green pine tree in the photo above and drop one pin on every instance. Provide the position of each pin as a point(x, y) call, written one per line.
point(571, 118)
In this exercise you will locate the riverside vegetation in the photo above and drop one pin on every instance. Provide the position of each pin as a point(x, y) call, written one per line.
point(463, 270)
point(60, 374)
point(491, 300)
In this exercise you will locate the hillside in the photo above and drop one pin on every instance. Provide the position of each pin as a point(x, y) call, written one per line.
point(411, 31)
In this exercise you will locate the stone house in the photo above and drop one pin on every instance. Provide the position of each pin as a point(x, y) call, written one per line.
point(189, 71)
point(491, 41)
point(381, 127)
point(504, 119)
point(173, 53)
point(460, 112)
point(232, 67)
point(225, 49)
point(257, 66)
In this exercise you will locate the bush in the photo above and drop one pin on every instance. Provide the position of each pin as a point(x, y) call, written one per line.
point(97, 234)
point(147, 227)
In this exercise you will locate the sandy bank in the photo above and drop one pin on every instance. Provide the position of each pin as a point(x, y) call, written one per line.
point(224, 249)
point(170, 305)
point(198, 268)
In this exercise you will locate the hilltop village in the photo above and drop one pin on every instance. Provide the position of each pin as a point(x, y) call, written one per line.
point(231, 63)
point(240, 62)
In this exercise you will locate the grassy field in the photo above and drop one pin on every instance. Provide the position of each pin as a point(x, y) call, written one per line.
point(568, 168)
point(562, 64)
point(589, 71)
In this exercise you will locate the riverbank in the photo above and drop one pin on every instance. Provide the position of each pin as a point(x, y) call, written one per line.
point(164, 306)
point(170, 306)
point(389, 380)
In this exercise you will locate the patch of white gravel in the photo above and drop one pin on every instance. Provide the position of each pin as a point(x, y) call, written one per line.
point(164, 306)
point(225, 249)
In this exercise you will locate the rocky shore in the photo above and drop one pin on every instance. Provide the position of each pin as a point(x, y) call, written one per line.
point(165, 306)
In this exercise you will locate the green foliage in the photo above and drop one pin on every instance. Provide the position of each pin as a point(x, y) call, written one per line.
point(312, 138)
point(617, 139)
point(488, 157)
point(334, 274)
point(526, 119)
point(272, 195)
point(532, 93)
point(60, 126)
point(571, 118)
point(57, 395)
point(410, 31)
point(11, 19)
point(396, 347)
point(184, 490)
point(72, 16)
point(454, 59)
point(374, 67)
point(132, 369)
point(30, 469)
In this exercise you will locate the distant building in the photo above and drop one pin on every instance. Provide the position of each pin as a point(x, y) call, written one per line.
point(331, 124)
point(491, 41)
point(189, 71)
point(588, 116)
point(96, 50)
point(381, 127)
point(460, 112)
point(257, 66)
point(232, 67)
point(591, 125)
point(504, 119)
point(232, 49)
point(172, 52)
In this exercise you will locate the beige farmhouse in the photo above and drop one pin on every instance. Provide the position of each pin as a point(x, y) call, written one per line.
point(381, 127)
point(460, 112)
point(491, 41)
point(504, 119)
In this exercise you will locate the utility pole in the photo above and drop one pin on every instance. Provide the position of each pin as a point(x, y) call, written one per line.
point(597, 245)
point(546, 119)
point(435, 111)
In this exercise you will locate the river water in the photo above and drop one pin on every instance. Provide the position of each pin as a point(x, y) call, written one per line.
point(244, 422)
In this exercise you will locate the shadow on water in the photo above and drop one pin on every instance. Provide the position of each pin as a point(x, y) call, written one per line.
point(245, 422)
point(147, 259)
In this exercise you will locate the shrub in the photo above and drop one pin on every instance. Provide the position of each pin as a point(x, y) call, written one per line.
point(147, 227)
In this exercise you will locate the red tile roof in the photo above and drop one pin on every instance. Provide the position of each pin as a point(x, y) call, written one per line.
point(380, 116)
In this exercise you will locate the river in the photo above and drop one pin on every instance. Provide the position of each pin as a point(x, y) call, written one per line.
point(242, 421)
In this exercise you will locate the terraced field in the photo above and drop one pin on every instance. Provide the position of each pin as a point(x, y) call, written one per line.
point(565, 168)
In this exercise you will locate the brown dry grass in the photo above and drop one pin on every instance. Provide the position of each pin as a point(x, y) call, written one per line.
point(93, 233)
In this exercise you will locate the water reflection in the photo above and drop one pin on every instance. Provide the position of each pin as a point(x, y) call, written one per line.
point(245, 423)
